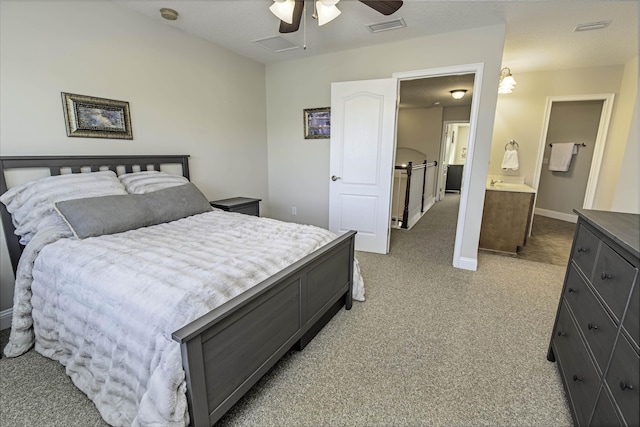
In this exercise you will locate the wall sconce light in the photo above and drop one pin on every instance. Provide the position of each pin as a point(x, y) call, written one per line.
point(507, 82)
point(457, 93)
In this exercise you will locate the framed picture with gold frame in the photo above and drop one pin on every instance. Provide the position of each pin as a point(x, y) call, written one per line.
point(91, 117)
point(317, 123)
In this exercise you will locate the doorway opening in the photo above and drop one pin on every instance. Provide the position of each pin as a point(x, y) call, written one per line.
point(583, 121)
point(472, 74)
point(455, 140)
point(363, 141)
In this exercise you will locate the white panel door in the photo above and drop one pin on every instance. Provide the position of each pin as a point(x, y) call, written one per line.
point(363, 130)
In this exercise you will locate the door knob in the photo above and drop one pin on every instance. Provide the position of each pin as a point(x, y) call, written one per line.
point(335, 178)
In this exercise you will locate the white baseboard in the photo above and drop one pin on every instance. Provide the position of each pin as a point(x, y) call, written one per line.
point(466, 263)
point(430, 203)
point(5, 318)
point(557, 215)
point(416, 217)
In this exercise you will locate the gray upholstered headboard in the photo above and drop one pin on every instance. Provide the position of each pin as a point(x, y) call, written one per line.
point(74, 164)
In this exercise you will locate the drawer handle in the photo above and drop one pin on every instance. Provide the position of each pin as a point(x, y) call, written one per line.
point(605, 276)
point(562, 334)
point(591, 326)
point(577, 378)
point(625, 386)
point(571, 290)
point(581, 249)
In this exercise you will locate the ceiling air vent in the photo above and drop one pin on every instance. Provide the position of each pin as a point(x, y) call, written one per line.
point(388, 25)
point(591, 26)
point(276, 44)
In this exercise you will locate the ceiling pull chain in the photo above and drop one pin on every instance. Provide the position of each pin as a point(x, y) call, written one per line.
point(304, 29)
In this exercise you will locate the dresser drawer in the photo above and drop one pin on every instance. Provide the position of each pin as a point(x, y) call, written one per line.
point(631, 320)
point(580, 376)
point(605, 414)
point(585, 249)
point(612, 278)
point(623, 380)
point(594, 322)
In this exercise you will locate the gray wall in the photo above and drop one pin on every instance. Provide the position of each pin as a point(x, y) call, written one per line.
point(186, 95)
point(570, 121)
point(295, 85)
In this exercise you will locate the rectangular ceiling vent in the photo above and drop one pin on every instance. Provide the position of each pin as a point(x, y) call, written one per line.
point(276, 44)
point(388, 25)
point(591, 26)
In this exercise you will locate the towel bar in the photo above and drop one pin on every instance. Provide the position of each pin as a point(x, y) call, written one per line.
point(512, 143)
point(575, 143)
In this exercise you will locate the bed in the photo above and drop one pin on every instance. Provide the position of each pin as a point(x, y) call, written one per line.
point(224, 340)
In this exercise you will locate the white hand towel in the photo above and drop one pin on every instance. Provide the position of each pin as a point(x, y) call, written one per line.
point(510, 160)
point(561, 154)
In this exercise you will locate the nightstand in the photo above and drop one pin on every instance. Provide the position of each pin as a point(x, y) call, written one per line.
point(243, 205)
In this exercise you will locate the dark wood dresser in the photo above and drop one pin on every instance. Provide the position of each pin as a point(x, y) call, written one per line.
point(596, 332)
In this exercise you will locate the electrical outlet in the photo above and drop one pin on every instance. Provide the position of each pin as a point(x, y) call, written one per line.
point(294, 211)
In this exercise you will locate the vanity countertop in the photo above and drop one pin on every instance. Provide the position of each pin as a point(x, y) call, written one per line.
point(505, 186)
point(508, 183)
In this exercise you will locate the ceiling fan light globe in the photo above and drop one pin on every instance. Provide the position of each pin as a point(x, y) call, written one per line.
point(326, 11)
point(283, 9)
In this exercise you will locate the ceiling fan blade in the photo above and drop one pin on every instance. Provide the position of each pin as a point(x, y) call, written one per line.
point(297, 17)
point(385, 7)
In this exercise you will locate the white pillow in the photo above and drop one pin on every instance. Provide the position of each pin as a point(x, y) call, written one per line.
point(32, 203)
point(149, 181)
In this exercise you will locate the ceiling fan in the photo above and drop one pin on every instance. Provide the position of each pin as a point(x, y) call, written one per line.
point(290, 11)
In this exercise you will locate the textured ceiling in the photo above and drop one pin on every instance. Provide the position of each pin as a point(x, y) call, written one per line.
point(423, 93)
point(539, 34)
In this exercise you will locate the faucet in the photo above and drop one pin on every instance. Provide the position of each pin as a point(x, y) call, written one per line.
point(495, 181)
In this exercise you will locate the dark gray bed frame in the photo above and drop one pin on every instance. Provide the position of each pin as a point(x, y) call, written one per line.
point(226, 351)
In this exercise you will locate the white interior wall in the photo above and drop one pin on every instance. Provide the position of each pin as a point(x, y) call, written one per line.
point(456, 114)
point(520, 116)
point(627, 194)
point(186, 95)
point(420, 129)
point(461, 144)
point(299, 168)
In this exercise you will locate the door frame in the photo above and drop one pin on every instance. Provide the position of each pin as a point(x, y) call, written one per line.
point(598, 151)
point(477, 69)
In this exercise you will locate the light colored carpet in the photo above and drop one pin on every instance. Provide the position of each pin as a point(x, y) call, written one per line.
point(431, 346)
point(550, 241)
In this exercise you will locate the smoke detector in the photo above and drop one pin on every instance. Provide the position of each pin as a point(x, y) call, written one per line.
point(168, 14)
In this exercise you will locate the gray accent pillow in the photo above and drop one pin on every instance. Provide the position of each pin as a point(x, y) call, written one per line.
point(31, 204)
point(96, 216)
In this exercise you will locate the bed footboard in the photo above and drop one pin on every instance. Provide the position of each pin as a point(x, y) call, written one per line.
point(226, 351)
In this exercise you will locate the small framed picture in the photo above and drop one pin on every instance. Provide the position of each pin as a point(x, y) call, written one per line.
point(317, 123)
point(91, 117)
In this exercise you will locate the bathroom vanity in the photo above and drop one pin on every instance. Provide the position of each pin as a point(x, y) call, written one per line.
point(507, 215)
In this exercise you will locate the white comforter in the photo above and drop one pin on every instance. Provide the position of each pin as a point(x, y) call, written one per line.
point(105, 307)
